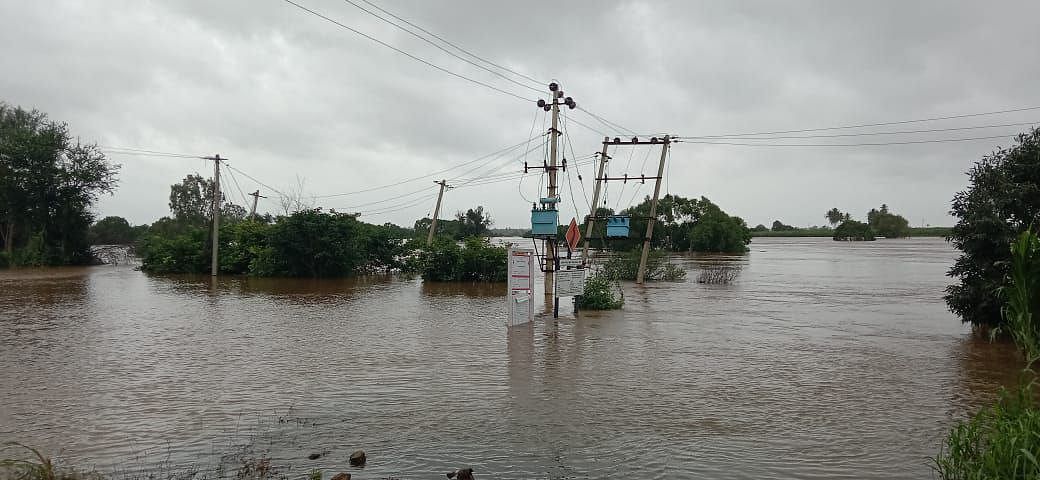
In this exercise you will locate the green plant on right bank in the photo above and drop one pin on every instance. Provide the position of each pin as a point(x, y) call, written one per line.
point(1003, 441)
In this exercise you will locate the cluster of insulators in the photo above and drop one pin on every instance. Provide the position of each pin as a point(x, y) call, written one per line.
point(557, 93)
point(636, 140)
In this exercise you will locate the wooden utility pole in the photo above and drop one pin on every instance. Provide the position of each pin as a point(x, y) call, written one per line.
point(436, 212)
point(256, 196)
point(653, 213)
point(214, 263)
point(595, 202)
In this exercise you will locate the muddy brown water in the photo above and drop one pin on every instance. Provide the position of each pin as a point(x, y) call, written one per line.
point(823, 360)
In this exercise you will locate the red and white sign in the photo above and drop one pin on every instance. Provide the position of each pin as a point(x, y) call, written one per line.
point(520, 299)
point(573, 235)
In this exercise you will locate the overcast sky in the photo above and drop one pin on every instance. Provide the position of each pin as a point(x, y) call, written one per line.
point(287, 95)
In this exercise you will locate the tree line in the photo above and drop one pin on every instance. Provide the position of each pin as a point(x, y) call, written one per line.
point(48, 184)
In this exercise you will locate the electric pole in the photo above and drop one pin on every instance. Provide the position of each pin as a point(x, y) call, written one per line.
point(256, 196)
point(553, 106)
point(216, 213)
point(595, 202)
point(436, 212)
point(653, 213)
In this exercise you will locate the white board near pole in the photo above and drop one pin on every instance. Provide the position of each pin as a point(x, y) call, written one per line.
point(520, 298)
point(570, 283)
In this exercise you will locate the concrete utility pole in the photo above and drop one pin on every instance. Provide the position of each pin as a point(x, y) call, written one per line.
point(550, 244)
point(595, 202)
point(436, 212)
point(653, 213)
point(214, 263)
point(256, 196)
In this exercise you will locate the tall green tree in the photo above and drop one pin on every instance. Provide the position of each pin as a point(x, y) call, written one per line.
point(474, 222)
point(1002, 200)
point(111, 231)
point(48, 183)
point(834, 216)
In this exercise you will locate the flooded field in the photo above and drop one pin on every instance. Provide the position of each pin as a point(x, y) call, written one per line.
point(823, 360)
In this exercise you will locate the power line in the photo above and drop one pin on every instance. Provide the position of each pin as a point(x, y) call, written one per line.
point(262, 184)
point(240, 192)
point(467, 52)
point(142, 152)
point(865, 134)
point(402, 52)
point(608, 123)
point(879, 124)
point(420, 37)
point(494, 154)
point(944, 140)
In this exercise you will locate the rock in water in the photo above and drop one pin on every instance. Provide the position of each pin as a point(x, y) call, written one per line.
point(314, 456)
point(357, 458)
point(462, 474)
point(342, 476)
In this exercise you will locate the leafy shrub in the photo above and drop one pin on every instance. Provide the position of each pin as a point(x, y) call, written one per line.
point(718, 274)
point(626, 267)
point(475, 261)
point(999, 203)
point(4, 260)
point(1001, 441)
point(599, 293)
point(853, 230)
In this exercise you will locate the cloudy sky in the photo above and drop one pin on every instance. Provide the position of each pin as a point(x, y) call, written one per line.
point(301, 104)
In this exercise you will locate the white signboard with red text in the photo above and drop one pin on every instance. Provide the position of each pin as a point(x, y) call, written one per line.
point(521, 286)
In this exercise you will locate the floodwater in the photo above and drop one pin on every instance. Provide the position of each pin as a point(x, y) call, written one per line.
point(823, 360)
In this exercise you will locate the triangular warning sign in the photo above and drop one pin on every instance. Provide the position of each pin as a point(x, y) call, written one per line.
point(573, 235)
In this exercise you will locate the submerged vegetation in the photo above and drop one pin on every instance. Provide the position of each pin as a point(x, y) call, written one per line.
point(474, 261)
point(1003, 441)
point(1000, 203)
point(601, 293)
point(625, 266)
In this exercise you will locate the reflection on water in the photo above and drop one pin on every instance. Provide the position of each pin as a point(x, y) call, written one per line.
point(821, 360)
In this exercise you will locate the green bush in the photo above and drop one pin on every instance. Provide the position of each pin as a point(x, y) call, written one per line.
point(599, 293)
point(853, 230)
point(475, 261)
point(186, 252)
point(626, 267)
point(1000, 442)
point(4, 261)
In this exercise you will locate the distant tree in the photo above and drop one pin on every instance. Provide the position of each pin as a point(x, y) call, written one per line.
point(111, 231)
point(887, 224)
point(191, 200)
point(1002, 200)
point(760, 228)
point(473, 223)
point(779, 226)
point(853, 230)
point(834, 216)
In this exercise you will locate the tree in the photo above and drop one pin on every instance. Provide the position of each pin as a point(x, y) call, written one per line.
point(48, 184)
point(853, 230)
point(834, 216)
point(779, 226)
point(1002, 200)
point(473, 223)
point(111, 231)
point(191, 200)
point(760, 228)
point(887, 224)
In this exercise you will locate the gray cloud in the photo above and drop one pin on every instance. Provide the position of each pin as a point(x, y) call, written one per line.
point(283, 93)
